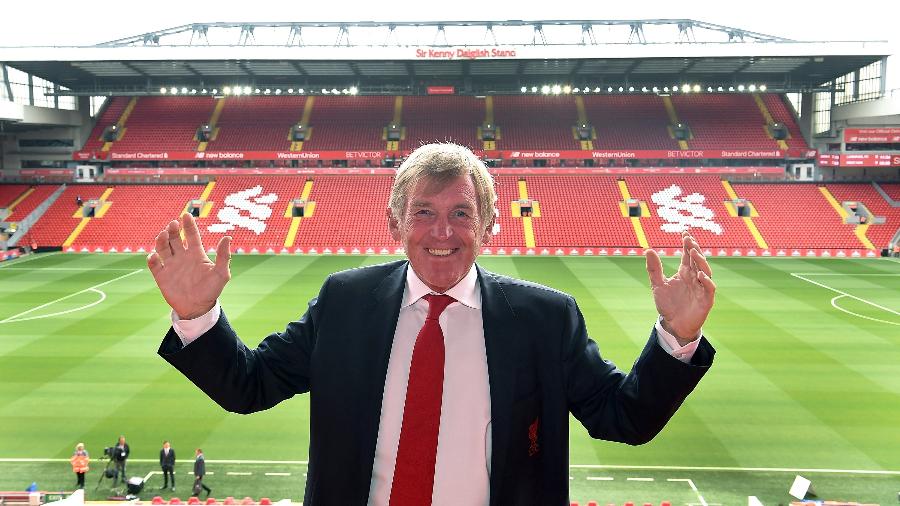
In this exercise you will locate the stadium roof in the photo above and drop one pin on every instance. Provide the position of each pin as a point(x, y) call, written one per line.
point(488, 57)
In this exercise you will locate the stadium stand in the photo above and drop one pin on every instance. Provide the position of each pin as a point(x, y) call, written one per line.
point(579, 211)
point(879, 233)
point(511, 234)
point(164, 123)
point(797, 216)
point(349, 213)
point(349, 122)
point(135, 211)
point(60, 220)
point(251, 210)
point(112, 111)
point(535, 122)
point(10, 192)
point(782, 113)
point(30, 202)
point(673, 193)
point(892, 189)
point(257, 123)
point(723, 121)
point(442, 119)
point(629, 122)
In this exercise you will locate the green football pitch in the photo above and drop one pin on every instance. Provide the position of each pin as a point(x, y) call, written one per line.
point(806, 380)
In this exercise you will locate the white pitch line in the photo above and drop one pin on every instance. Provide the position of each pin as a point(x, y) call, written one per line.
point(151, 473)
point(845, 274)
point(839, 308)
point(693, 487)
point(278, 474)
point(600, 478)
point(16, 318)
point(231, 473)
point(639, 479)
point(4, 265)
point(835, 290)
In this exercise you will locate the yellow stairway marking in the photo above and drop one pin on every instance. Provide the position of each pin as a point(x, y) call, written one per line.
point(213, 120)
point(18, 201)
point(834, 203)
point(579, 106)
point(673, 120)
point(123, 118)
point(527, 226)
point(769, 120)
point(208, 190)
point(748, 220)
point(74, 235)
point(635, 222)
point(295, 221)
point(858, 230)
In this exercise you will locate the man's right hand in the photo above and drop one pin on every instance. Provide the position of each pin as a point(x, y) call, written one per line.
point(188, 280)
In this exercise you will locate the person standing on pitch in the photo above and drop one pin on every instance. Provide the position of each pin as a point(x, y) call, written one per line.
point(120, 456)
point(167, 463)
point(199, 473)
point(80, 460)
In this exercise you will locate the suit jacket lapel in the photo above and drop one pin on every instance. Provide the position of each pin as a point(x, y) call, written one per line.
point(499, 340)
point(379, 327)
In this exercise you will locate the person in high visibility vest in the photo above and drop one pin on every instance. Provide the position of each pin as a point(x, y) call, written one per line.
point(80, 460)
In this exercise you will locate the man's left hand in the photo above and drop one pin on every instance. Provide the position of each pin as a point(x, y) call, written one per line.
point(683, 300)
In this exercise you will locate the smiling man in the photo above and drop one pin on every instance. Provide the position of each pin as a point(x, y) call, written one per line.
point(431, 380)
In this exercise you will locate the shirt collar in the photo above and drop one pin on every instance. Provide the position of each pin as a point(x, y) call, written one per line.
point(465, 292)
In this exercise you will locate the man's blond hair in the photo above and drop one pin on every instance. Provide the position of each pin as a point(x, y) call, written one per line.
point(441, 163)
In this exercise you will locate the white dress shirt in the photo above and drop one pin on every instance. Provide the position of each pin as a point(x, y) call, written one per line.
point(462, 467)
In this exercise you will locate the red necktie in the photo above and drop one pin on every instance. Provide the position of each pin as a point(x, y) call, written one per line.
point(417, 451)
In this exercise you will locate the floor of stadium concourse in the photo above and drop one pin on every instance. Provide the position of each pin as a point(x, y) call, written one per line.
point(606, 486)
point(806, 376)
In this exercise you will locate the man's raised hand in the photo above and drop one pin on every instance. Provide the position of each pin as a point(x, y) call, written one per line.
point(188, 280)
point(685, 299)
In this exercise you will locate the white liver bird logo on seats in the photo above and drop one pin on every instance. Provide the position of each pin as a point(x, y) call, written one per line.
point(684, 213)
point(246, 209)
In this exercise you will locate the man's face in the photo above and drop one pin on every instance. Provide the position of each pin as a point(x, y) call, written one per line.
point(441, 231)
point(166, 446)
point(121, 440)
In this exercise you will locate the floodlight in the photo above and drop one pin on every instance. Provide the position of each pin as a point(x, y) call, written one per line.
point(630, 89)
point(696, 88)
point(576, 90)
point(246, 90)
point(523, 89)
point(534, 89)
point(163, 91)
point(545, 89)
point(184, 91)
point(740, 87)
point(685, 88)
point(752, 87)
point(762, 87)
point(278, 91)
point(173, 90)
point(567, 89)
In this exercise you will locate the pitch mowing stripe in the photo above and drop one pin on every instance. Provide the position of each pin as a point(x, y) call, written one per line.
point(16, 318)
point(869, 402)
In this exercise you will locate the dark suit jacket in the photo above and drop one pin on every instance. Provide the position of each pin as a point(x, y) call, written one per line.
point(541, 366)
point(167, 462)
point(199, 467)
point(121, 454)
